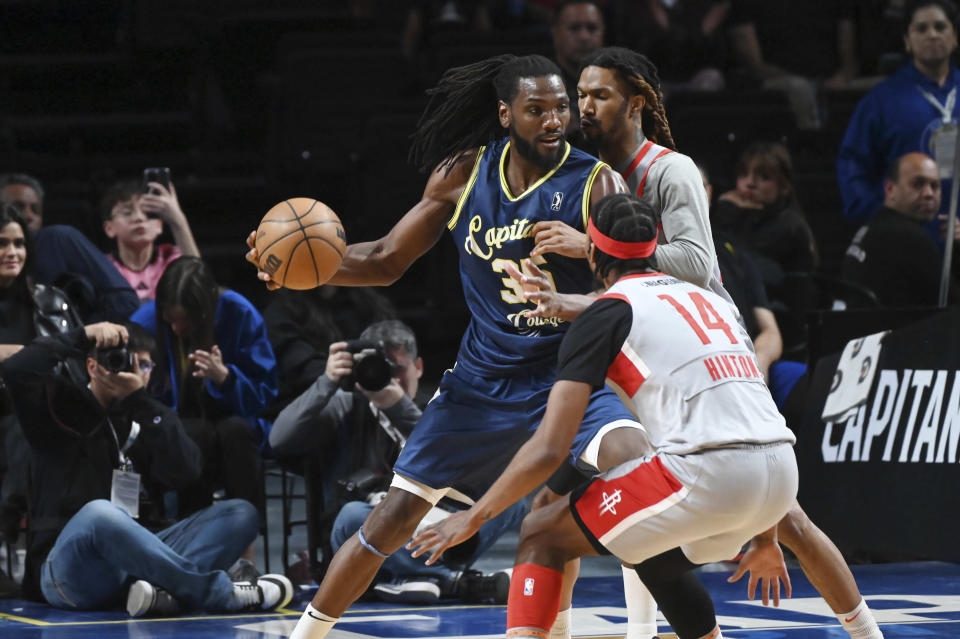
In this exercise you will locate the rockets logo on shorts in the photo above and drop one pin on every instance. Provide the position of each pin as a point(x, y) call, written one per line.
point(528, 587)
point(610, 505)
point(609, 502)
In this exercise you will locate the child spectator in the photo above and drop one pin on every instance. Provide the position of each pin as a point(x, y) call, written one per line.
point(134, 220)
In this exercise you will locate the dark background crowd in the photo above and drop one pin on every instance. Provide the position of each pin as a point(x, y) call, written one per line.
point(249, 103)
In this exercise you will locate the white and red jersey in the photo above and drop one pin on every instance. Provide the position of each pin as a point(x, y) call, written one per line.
point(687, 371)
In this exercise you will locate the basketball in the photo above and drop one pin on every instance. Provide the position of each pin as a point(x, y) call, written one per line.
point(301, 243)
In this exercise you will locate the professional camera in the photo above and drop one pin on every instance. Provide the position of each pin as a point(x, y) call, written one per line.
point(372, 369)
point(116, 359)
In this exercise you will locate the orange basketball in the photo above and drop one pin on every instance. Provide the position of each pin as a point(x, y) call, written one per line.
point(301, 243)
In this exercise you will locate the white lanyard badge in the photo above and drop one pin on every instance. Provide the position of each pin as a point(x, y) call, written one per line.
point(944, 139)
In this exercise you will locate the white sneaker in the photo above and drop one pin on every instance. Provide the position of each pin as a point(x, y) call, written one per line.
point(268, 593)
point(145, 599)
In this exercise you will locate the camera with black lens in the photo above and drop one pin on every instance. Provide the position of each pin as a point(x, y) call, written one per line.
point(116, 359)
point(372, 369)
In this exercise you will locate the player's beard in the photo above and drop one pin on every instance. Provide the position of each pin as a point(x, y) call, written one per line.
point(599, 136)
point(528, 151)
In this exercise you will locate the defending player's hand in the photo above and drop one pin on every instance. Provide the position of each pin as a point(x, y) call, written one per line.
point(253, 256)
point(453, 530)
point(766, 566)
point(556, 237)
point(538, 288)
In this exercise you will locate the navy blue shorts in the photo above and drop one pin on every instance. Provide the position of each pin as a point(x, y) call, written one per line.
point(471, 430)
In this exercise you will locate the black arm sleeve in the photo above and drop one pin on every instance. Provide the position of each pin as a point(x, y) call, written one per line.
point(593, 342)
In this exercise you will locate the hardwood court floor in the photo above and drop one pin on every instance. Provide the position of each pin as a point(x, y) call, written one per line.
point(909, 600)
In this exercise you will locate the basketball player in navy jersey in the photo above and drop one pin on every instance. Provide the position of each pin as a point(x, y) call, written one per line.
point(621, 112)
point(488, 190)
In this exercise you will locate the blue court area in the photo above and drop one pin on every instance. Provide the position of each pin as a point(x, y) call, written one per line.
point(909, 600)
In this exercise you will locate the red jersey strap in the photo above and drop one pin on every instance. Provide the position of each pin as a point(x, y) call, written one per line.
point(643, 160)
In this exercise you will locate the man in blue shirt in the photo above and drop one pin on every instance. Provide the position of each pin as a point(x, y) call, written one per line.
point(913, 110)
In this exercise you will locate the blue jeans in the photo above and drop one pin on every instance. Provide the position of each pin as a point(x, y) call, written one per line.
point(102, 550)
point(400, 565)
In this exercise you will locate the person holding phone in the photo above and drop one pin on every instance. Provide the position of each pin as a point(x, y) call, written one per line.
point(134, 215)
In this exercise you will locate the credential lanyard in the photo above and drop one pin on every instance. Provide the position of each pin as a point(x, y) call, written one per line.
point(946, 109)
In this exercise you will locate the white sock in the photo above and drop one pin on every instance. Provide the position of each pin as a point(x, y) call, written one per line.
point(561, 625)
point(641, 607)
point(313, 624)
point(859, 623)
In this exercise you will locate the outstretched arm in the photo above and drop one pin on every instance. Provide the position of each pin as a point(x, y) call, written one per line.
point(383, 261)
point(531, 466)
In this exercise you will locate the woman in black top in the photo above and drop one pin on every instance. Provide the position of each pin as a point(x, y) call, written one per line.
point(27, 310)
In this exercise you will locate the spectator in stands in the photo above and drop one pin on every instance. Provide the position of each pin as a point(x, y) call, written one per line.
point(26, 194)
point(66, 258)
point(766, 36)
point(893, 255)
point(916, 109)
point(134, 220)
point(91, 445)
point(577, 30)
point(743, 280)
point(685, 37)
point(216, 368)
point(27, 310)
point(355, 434)
point(763, 213)
point(301, 326)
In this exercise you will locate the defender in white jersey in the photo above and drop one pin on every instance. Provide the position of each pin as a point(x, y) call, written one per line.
point(724, 470)
point(622, 113)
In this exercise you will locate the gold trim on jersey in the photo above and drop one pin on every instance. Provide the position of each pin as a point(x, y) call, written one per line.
point(466, 190)
point(503, 175)
point(585, 205)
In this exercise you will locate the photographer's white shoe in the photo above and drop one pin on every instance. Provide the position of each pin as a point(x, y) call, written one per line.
point(269, 592)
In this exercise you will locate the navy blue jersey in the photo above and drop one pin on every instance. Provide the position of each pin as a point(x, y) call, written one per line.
point(491, 228)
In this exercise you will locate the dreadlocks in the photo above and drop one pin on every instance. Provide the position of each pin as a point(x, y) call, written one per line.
point(460, 116)
point(641, 74)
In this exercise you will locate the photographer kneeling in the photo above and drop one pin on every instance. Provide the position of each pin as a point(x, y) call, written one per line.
point(354, 420)
point(102, 454)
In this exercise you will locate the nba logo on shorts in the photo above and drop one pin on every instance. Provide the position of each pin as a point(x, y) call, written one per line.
point(557, 199)
point(528, 586)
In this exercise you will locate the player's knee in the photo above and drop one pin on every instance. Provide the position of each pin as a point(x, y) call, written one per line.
point(621, 445)
point(394, 519)
point(538, 537)
point(544, 497)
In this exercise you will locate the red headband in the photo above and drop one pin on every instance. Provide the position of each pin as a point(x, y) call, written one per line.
point(616, 248)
